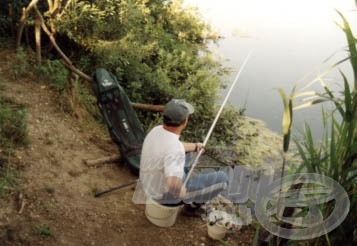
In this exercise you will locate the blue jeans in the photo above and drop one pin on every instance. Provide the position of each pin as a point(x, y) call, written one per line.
point(200, 187)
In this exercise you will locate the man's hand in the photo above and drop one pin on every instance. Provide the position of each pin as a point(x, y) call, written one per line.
point(175, 187)
point(199, 146)
point(193, 147)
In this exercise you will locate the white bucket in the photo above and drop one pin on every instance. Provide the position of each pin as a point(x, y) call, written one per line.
point(160, 215)
point(217, 231)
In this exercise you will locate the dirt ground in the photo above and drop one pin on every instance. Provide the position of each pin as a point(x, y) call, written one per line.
point(56, 205)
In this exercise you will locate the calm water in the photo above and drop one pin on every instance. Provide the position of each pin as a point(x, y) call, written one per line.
point(290, 41)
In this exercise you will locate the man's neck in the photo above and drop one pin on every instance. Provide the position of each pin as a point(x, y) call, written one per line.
point(173, 129)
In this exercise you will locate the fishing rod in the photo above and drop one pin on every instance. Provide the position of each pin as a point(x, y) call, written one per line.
point(216, 118)
point(204, 143)
point(116, 188)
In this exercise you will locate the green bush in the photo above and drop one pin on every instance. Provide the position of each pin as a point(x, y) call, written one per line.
point(156, 49)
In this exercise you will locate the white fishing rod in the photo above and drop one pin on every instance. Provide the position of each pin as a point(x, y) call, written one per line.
point(216, 118)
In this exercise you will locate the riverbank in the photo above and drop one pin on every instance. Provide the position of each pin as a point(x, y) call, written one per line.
point(255, 146)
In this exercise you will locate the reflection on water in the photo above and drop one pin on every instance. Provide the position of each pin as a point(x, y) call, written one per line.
point(290, 43)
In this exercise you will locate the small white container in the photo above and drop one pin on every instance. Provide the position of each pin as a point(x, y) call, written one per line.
point(217, 231)
point(159, 215)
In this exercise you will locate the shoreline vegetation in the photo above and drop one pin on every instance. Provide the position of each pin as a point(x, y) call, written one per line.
point(256, 146)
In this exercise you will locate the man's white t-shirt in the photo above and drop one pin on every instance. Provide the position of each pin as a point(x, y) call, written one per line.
point(163, 155)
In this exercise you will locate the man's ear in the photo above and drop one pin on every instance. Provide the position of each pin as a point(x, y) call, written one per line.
point(185, 121)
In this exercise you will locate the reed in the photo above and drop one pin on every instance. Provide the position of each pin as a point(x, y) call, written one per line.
point(335, 155)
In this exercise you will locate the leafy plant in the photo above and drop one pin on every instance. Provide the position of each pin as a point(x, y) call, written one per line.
point(336, 155)
point(44, 231)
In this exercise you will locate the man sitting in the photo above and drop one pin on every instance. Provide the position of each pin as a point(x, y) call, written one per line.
point(162, 165)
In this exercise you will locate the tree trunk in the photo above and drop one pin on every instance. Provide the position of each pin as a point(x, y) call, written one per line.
point(38, 39)
point(25, 12)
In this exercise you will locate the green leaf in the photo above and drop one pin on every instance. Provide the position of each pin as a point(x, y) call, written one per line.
point(287, 117)
point(309, 104)
point(351, 40)
point(348, 100)
point(332, 98)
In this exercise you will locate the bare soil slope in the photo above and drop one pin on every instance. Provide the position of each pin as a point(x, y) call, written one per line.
point(55, 204)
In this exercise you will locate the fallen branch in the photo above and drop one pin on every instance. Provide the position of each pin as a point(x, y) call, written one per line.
point(101, 161)
point(72, 68)
point(150, 107)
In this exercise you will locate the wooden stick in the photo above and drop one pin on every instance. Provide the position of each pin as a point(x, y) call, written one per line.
point(22, 203)
point(38, 39)
point(150, 107)
point(101, 161)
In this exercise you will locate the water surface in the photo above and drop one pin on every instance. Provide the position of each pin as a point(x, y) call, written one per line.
point(291, 41)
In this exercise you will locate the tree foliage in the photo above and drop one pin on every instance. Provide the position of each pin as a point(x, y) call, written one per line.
point(157, 49)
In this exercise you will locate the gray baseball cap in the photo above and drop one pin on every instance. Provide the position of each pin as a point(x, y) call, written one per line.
point(177, 110)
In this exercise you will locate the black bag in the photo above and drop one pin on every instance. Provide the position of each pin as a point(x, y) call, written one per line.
point(124, 127)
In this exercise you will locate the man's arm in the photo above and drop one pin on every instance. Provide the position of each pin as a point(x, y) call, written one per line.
point(192, 147)
point(174, 185)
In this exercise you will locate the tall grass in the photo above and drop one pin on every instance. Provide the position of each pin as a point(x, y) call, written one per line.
point(336, 155)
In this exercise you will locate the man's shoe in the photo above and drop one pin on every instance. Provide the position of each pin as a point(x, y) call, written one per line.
point(191, 211)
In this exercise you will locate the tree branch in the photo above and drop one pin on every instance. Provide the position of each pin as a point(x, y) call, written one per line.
point(51, 37)
point(64, 9)
point(23, 21)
